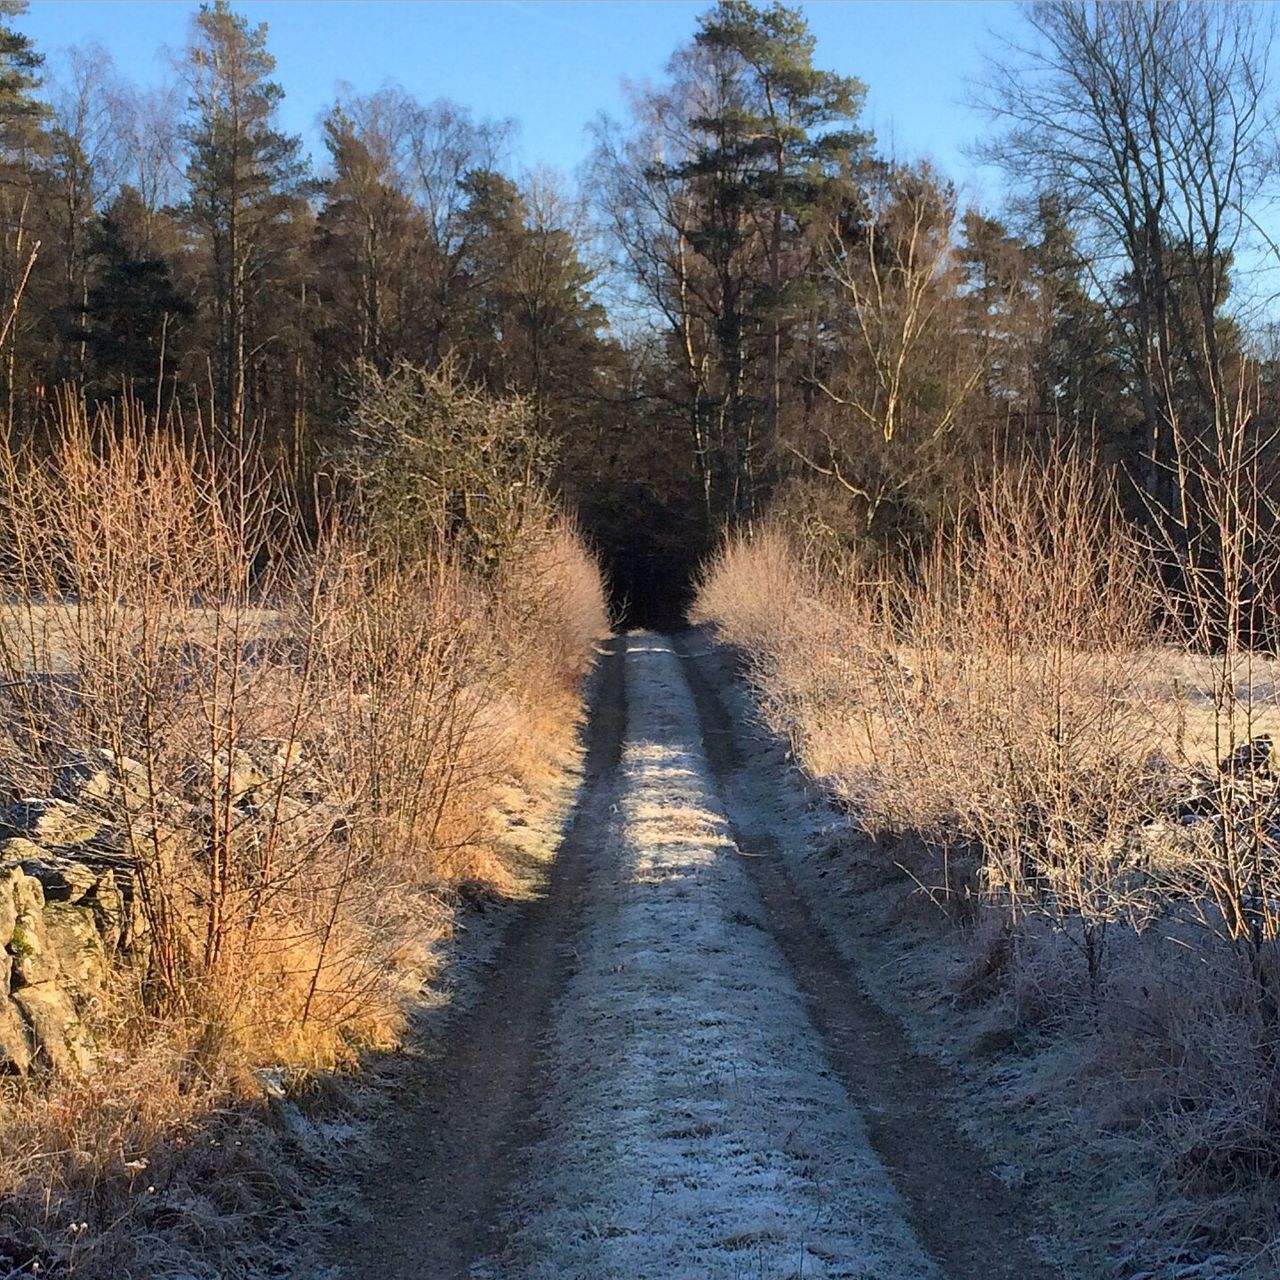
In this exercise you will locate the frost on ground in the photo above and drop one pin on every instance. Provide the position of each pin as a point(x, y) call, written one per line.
point(691, 1126)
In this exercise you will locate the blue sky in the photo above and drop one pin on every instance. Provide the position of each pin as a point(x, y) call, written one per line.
point(554, 66)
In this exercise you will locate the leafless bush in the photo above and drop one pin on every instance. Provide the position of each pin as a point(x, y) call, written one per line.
point(1220, 551)
point(303, 738)
point(1089, 717)
point(986, 699)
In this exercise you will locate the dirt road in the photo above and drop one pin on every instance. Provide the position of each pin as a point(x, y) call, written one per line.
point(672, 1072)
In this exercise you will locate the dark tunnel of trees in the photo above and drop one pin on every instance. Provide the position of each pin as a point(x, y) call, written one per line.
point(764, 316)
point(650, 587)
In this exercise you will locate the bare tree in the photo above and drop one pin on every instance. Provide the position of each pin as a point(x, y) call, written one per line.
point(1152, 123)
point(656, 216)
point(147, 124)
point(88, 161)
point(909, 339)
point(445, 144)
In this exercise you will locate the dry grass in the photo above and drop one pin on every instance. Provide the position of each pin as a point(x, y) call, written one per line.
point(1011, 705)
point(163, 602)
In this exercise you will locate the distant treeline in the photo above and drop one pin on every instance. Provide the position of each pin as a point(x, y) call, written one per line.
point(794, 320)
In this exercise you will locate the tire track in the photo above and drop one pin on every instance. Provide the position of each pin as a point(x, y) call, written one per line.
point(431, 1207)
point(691, 1125)
point(970, 1222)
point(672, 1072)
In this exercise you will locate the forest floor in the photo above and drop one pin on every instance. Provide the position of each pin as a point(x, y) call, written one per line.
point(674, 1064)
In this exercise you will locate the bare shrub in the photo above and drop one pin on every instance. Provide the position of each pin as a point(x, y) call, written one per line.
point(1220, 550)
point(296, 742)
point(1026, 639)
point(1090, 717)
point(986, 699)
point(807, 652)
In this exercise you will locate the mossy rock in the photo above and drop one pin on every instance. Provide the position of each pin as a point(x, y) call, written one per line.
point(72, 937)
point(61, 1040)
point(9, 875)
point(33, 962)
point(16, 1049)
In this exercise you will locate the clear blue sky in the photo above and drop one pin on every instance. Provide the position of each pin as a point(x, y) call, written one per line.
point(554, 66)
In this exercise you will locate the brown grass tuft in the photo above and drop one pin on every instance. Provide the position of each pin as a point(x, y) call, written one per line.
point(164, 600)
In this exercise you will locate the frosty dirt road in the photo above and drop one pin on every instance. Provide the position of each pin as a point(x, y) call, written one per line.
point(671, 1073)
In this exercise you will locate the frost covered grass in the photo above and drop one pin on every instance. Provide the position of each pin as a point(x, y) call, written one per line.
point(1045, 764)
point(692, 1125)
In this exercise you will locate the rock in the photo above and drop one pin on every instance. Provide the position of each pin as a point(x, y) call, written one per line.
point(59, 1037)
point(1203, 798)
point(72, 937)
point(273, 757)
point(235, 769)
point(51, 822)
point(111, 911)
point(33, 963)
point(63, 879)
point(1161, 844)
point(15, 1039)
point(257, 766)
point(99, 887)
point(100, 779)
point(1257, 758)
point(8, 907)
point(292, 814)
point(239, 767)
point(272, 1080)
point(61, 918)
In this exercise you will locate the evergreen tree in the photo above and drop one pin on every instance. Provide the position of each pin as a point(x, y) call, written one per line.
point(1079, 380)
point(247, 183)
point(792, 133)
point(134, 315)
point(764, 134)
point(366, 233)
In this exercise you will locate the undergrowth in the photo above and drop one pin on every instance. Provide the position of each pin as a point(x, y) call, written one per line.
point(169, 599)
point(1082, 759)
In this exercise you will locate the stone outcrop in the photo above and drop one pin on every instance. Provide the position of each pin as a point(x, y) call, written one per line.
point(70, 918)
point(62, 921)
point(1257, 759)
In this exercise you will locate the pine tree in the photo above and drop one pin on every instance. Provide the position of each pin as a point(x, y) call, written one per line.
point(21, 114)
point(248, 181)
point(364, 237)
point(528, 321)
point(134, 314)
point(777, 133)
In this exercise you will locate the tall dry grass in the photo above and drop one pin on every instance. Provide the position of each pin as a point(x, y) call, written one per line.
point(306, 738)
point(1075, 743)
point(984, 697)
